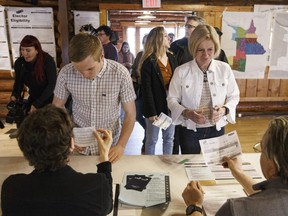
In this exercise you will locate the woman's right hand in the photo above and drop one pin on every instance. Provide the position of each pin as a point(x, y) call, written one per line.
point(104, 140)
point(196, 116)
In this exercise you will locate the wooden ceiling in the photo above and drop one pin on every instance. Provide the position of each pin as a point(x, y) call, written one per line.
point(93, 4)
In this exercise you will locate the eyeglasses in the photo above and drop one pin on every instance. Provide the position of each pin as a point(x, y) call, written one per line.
point(257, 147)
point(100, 34)
point(189, 26)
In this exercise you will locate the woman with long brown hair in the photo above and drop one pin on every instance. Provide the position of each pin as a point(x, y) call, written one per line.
point(157, 65)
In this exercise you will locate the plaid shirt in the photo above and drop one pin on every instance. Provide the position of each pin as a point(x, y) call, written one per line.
point(96, 103)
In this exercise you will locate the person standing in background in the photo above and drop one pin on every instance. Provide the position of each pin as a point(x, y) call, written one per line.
point(222, 56)
point(125, 57)
point(180, 47)
point(136, 78)
point(104, 34)
point(35, 69)
point(203, 93)
point(157, 65)
point(171, 36)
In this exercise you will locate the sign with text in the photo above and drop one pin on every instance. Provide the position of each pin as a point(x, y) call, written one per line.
point(35, 21)
point(151, 3)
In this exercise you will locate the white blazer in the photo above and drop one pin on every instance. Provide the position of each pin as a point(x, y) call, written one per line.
point(185, 91)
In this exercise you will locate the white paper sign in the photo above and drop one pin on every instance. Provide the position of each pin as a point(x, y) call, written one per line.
point(36, 21)
point(84, 18)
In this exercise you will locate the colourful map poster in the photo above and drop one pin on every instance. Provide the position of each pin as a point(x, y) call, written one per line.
point(245, 41)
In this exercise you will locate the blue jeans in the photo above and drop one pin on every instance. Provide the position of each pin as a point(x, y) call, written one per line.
point(152, 133)
point(189, 139)
point(139, 116)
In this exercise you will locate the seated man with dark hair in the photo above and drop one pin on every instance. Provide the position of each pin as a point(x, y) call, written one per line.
point(53, 188)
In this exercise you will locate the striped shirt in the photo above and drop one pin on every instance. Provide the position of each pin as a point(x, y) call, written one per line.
point(206, 104)
point(97, 103)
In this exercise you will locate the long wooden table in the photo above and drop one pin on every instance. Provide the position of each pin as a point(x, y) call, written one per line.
point(143, 163)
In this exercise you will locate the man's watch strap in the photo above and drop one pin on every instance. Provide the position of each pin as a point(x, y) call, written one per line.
point(192, 208)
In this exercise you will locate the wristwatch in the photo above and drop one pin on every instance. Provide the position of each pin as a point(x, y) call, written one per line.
point(226, 110)
point(192, 208)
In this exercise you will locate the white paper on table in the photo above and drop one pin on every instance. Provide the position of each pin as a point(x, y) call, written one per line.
point(222, 173)
point(216, 196)
point(163, 121)
point(84, 137)
point(198, 171)
point(214, 149)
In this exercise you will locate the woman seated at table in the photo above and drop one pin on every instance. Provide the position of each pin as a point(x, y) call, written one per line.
point(265, 198)
point(54, 188)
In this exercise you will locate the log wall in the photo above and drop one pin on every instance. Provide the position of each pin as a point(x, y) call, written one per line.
point(257, 95)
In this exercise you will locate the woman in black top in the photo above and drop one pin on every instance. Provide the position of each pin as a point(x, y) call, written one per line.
point(36, 70)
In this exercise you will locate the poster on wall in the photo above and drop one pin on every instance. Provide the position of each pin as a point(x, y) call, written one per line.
point(35, 21)
point(270, 8)
point(279, 47)
point(279, 43)
point(82, 18)
point(5, 61)
point(245, 40)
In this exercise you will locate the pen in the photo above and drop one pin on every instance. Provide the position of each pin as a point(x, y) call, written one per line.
point(116, 201)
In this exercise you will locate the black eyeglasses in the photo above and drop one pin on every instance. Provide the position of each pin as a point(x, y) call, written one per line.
point(189, 26)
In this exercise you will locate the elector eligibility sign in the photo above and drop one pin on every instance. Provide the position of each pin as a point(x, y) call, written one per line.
point(31, 21)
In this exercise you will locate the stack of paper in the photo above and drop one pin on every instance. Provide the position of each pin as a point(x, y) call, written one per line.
point(145, 189)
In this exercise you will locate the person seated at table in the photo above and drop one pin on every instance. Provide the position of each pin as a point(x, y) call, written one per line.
point(53, 188)
point(265, 198)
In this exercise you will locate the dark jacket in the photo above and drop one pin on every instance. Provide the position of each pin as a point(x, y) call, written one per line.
point(222, 57)
point(181, 51)
point(152, 84)
point(62, 192)
point(40, 92)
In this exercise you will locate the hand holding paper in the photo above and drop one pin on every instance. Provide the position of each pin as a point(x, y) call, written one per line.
point(214, 149)
point(162, 121)
point(104, 139)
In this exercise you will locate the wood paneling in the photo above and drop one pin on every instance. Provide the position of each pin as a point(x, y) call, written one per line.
point(250, 90)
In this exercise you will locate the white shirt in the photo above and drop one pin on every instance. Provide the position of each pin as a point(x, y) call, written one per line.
point(186, 87)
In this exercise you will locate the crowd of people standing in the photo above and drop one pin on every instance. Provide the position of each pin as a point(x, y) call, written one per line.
point(188, 79)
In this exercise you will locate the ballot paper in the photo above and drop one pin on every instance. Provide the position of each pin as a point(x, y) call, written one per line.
point(145, 189)
point(214, 149)
point(217, 195)
point(84, 137)
point(222, 173)
point(199, 171)
point(163, 121)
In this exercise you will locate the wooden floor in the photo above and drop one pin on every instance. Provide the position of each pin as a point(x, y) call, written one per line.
point(250, 130)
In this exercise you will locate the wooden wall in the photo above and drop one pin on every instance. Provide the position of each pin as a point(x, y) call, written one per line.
point(261, 95)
